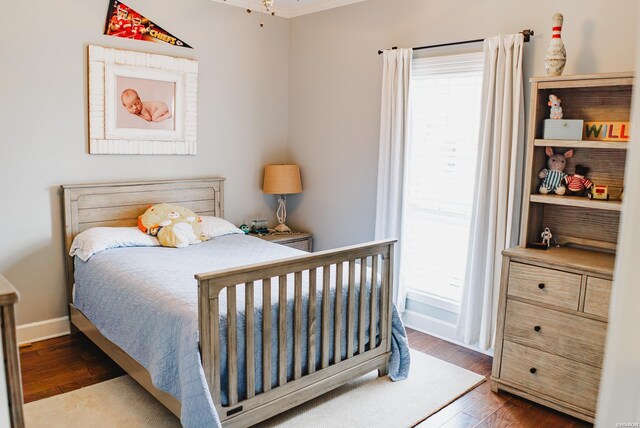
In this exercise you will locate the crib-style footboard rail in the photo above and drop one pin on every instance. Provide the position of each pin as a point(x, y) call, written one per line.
point(325, 293)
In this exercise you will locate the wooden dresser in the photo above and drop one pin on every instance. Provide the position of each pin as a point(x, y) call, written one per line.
point(552, 326)
point(554, 304)
point(8, 298)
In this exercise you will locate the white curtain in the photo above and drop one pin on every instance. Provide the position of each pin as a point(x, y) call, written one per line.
point(496, 215)
point(394, 131)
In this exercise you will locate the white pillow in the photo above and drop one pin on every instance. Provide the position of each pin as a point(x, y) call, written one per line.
point(216, 226)
point(97, 239)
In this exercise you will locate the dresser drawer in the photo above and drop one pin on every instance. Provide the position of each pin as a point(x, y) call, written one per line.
point(565, 380)
point(543, 285)
point(570, 336)
point(598, 295)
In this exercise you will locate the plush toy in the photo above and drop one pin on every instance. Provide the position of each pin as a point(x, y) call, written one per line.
point(556, 110)
point(578, 184)
point(174, 225)
point(553, 177)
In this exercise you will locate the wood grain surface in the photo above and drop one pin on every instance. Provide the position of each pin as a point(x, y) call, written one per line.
point(67, 363)
point(549, 286)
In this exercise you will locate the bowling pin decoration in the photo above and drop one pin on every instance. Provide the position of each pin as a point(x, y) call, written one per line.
point(556, 56)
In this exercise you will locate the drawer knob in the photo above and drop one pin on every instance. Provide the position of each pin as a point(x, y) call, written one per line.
point(541, 286)
point(533, 370)
point(537, 328)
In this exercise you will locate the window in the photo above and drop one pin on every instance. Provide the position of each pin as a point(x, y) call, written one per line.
point(445, 117)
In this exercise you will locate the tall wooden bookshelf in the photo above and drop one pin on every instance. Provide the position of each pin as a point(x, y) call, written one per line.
point(553, 308)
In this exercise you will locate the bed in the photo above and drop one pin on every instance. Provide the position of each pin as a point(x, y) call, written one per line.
point(243, 364)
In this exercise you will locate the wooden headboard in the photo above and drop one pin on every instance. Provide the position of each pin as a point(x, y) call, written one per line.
point(120, 204)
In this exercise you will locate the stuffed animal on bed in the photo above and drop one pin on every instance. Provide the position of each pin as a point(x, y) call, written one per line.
point(553, 177)
point(175, 226)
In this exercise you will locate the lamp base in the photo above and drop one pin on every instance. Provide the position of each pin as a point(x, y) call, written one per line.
point(282, 228)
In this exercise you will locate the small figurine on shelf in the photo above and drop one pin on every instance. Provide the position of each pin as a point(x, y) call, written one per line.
point(556, 110)
point(578, 184)
point(553, 177)
point(546, 237)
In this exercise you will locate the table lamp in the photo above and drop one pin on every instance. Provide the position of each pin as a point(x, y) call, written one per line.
point(282, 180)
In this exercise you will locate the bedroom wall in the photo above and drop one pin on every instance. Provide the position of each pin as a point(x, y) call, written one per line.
point(336, 75)
point(619, 399)
point(242, 118)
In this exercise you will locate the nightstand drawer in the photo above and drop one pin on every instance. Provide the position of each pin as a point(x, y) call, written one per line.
point(544, 285)
point(298, 240)
point(570, 336)
point(598, 296)
point(565, 380)
point(303, 244)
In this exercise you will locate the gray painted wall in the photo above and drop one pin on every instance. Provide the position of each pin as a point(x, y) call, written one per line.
point(305, 90)
point(336, 75)
point(242, 118)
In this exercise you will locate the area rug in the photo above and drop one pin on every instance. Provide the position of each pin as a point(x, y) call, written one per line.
point(369, 401)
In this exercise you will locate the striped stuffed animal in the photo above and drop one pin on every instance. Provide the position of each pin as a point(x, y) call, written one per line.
point(553, 177)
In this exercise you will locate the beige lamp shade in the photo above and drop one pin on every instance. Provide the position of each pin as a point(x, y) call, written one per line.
point(282, 179)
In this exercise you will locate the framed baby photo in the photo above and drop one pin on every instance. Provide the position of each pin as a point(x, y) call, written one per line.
point(141, 103)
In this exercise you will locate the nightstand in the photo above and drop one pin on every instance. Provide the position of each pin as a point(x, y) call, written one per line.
point(299, 241)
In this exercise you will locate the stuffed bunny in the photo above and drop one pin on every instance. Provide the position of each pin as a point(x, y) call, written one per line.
point(554, 177)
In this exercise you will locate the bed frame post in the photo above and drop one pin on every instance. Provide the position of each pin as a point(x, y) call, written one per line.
point(386, 305)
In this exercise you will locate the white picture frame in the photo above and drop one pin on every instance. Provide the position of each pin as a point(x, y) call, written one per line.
point(141, 103)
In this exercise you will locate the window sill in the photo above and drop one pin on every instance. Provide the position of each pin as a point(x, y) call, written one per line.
point(438, 302)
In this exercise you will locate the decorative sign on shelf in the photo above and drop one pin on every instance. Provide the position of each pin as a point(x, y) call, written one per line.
point(606, 131)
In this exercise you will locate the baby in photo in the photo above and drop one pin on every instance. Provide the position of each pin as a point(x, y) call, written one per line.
point(151, 111)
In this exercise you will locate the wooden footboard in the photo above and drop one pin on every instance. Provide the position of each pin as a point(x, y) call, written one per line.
point(333, 370)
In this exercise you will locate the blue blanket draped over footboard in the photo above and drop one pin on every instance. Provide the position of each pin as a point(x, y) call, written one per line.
point(145, 301)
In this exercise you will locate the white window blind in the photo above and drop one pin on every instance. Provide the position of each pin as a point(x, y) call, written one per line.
point(445, 116)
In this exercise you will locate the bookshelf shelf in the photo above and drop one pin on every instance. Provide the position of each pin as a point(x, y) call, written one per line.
point(582, 144)
point(577, 201)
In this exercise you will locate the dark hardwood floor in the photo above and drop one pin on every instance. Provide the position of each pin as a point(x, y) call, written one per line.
point(66, 363)
point(59, 365)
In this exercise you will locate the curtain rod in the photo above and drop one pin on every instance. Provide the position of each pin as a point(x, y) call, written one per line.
point(526, 33)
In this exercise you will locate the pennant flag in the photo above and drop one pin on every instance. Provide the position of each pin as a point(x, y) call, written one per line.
point(122, 21)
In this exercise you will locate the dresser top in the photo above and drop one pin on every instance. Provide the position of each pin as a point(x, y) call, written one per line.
point(8, 293)
point(565, 257)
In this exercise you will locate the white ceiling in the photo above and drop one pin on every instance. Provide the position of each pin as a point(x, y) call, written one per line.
point(290, 8)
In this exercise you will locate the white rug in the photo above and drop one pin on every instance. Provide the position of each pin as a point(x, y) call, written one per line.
point(369, 401)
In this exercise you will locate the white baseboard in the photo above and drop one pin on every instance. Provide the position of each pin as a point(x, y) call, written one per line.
point(41, 330)
point(437, 328)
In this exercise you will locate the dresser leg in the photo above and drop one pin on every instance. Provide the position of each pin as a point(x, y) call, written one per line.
point(494, 386)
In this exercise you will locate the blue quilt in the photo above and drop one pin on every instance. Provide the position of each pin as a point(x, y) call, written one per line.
point(145, 301)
